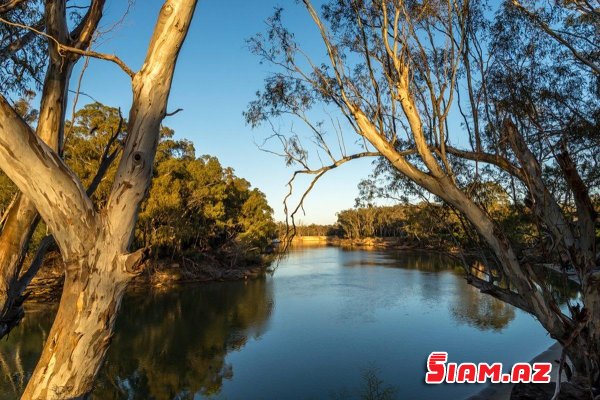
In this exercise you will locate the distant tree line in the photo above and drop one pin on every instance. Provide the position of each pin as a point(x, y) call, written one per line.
point(436, 224)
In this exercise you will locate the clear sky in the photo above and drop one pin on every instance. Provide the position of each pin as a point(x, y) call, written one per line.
point(216, 78)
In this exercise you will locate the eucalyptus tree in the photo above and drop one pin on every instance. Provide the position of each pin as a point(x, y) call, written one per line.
point(23, 53)
point(452, 95)
point(94, 244)
point(22, 49)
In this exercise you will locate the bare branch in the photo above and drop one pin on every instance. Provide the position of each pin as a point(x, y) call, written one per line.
point(36, 263)
point(84, 32)
point(494, 159)
point(502, 294)
point(62, 48)
point(107, 158)
point(170, 114)
point(318, 174)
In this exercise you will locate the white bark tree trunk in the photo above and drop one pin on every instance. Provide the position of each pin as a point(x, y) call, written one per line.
point(95, 246)
point(82, 329)
point(22, 216)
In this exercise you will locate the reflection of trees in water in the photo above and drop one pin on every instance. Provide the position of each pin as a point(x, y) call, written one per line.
point(21, 349)
point(174, 345)
point(481, 311)
point(413, 260)
point(11, 366)
point(486, 312)
point(372, 388)
point(558, 284)
point(471, 307)
point(168, 345)
point(426, 261)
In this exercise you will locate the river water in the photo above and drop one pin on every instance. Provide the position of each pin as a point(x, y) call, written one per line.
point(329, 324)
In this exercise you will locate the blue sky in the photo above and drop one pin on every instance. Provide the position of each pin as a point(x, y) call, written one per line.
point(216, 78)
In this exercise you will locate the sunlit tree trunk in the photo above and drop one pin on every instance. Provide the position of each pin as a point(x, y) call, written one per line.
point(95, 246)
point(22, 217)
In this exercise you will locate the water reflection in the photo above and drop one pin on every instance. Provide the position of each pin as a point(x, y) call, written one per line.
point(179, 350)
point(169, 345)
point(19, 352)
point(482, 312)
point(338, 312)
point(470, 307)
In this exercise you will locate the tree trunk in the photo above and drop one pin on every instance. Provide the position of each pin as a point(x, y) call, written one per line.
point(82, 329)
point(16, 233)
point(95, 246)
point(22, 216)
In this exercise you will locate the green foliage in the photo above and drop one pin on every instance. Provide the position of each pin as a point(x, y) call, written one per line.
point(194, 205)
point(436, 225)
point(308, 230)
point(86, 138)
point(23, 54)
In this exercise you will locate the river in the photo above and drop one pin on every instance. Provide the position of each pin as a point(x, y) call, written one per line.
point(328, 324)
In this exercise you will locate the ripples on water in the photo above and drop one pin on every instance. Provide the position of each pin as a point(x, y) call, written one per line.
point(331, 323)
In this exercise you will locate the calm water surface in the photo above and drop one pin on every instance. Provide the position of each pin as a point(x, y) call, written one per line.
point(311, 331)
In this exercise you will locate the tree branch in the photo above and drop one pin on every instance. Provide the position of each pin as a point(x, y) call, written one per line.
point(44, 178)
point(151, 87)
point(36, 263)
point(106, 159)
point(62, 48)
point(545, 205)
point(586, 214)
point(170, 114)
point(494, 159)
point(9, 5)
point(84, 32)
point(48, 241)
point(595, 68)
point(505, 295)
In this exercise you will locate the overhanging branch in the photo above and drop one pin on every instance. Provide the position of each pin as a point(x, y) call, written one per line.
point(488, 158)
point(505, 295)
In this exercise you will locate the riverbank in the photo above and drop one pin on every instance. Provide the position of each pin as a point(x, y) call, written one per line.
point(502, 391)
point(370, 242)
point(46, 285)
